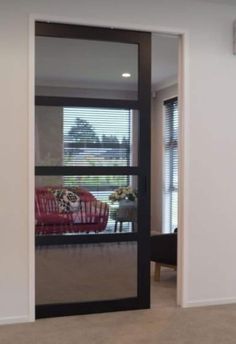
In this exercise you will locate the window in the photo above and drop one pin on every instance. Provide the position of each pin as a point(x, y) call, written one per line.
point(171, 127)
point(99, 137)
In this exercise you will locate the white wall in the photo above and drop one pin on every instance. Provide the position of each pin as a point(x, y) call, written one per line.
point(157, 155)
point(209, 131)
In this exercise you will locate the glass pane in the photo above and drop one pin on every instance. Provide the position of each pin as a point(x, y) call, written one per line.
point(174, 210)
point(86, 68)
point(69, 205)
point(101, 271)
point(175, 119)
point(175, 159)
point(85, 136)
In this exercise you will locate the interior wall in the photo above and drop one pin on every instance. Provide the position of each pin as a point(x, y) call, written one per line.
point(157, 118)
point(208, 131)
point(48, 135)
point(48, 141)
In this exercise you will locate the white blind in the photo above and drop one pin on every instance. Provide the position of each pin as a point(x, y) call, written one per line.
point(171, 132)
point(97, 137)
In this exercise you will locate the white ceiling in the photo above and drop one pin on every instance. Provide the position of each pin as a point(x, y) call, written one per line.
point(96, 64)
point(165, 51)
point(84, 63)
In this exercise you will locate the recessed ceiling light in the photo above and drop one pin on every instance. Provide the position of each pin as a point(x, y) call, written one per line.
point(126, 75)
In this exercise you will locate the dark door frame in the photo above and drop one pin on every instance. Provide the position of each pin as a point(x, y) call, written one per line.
point(142, 104)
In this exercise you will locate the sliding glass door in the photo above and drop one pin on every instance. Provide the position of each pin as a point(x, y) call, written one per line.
point(92, 173)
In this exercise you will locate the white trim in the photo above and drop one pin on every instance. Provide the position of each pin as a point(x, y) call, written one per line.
point(210, 302)
point(184, 139)
point(109, 24)
point(15, 320)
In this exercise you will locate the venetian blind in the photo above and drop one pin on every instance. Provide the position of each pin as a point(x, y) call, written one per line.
point(171, 129)
point(97, 137)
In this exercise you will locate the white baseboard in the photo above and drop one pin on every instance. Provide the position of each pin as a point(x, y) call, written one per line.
point(15, 320)
point(209, 302)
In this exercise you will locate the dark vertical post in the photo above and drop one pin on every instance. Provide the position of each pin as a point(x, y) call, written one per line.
point(144, 165)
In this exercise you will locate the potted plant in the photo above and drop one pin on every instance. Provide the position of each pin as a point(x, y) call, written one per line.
point(123, 195)
point(126, 198)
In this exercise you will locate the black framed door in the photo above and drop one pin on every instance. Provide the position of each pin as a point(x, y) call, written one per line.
point(92, 173)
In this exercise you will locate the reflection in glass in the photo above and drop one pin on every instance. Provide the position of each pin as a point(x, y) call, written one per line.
point(91, 272)
point(85, 68)
point(79, 136)
point(85, 204)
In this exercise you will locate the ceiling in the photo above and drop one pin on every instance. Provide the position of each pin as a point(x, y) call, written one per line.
point(165, 51)
point(99, 65)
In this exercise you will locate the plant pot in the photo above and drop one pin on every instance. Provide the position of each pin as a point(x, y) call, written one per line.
point(127, 211)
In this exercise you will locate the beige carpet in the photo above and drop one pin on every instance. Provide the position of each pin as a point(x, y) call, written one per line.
point(163, 324)
point(163, 293)
point(92, 272)
point(95, 272)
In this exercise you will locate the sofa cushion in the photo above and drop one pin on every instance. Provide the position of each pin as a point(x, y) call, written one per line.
point(67, 200)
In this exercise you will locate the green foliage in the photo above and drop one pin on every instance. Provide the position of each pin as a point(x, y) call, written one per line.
point(83, 132)
point(110, 139)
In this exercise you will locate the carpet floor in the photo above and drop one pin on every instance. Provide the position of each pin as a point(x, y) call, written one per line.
point(164, 323)
point(106, 271)
point(95, 272)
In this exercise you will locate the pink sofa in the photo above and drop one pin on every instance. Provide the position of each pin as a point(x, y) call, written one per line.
point(92, 215)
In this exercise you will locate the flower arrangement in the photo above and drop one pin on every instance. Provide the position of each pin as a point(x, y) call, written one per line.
point(122, 193)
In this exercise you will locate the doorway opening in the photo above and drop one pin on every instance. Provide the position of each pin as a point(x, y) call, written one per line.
point(58, 153)
point(165, 168)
